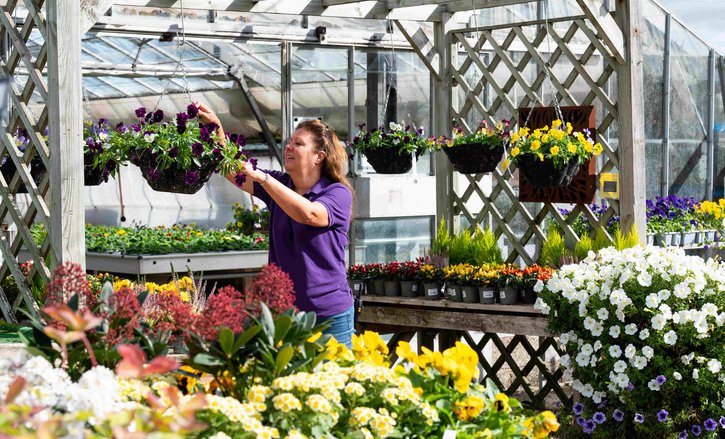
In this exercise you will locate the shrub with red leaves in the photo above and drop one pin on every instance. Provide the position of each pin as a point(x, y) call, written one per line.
point(273, 287)
point(165, 311)
point(69, 279)
point(226, 307)
point(124, 318)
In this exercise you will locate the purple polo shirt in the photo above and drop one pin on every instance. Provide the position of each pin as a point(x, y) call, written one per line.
point(314, 257)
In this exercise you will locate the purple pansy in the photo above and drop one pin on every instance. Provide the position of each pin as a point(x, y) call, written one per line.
point(173, 152)
point(141, 112)
point(154, 174)
point(158, 116)
point(191, 177)
point(253, 161)
point(192, 110)
point(240, 178)
point(197, 148)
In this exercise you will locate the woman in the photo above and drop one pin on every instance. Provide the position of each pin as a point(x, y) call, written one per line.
point(310, 207)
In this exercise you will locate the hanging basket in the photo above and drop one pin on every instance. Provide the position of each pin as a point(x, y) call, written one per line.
point(388, 161)
point(473, 158)
point(93, 176)
point(173, 179)
point(37, 170)
point(544, 174)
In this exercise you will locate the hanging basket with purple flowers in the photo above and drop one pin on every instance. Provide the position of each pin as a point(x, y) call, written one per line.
point(178, 156)
point(389, 150)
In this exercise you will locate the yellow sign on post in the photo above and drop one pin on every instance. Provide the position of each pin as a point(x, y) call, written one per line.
point(609, 185)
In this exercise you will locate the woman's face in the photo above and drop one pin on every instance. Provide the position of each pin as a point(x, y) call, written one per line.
point(300, 154)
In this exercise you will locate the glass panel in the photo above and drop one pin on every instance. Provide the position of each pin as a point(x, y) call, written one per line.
point(385, 240)
point(687, 169)
point(375, 70)
point(653, 157)
point(719, 173)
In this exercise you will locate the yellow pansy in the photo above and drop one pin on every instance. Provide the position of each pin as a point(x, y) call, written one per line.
point(515, 151)
point(556, 123)
point(571, 147)
point(545, 138)
point(597, 149)
point(469, 408)
point(505, 164)
point(554, 150)
point(569, 128)
point(501, 403)
point(121, 232)
point(405, 351)
point(535, 145)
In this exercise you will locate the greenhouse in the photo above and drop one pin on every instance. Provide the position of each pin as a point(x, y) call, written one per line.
point(360, 219)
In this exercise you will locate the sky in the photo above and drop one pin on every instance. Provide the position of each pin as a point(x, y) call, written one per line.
point(704, 17)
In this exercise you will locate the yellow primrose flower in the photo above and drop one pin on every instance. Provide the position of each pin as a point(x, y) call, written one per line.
point(571, 147)
point(515, 151)
point(545, 138)
point(554, 150)
point(556, 123)
point(535, 145)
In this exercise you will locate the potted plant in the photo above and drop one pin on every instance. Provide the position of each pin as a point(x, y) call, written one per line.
point(356, 276)
point(430, 276)
point(477, 152)
point(247, 221)
point(529, 277)
point(457, 276)
point(550, 157)
point(409, 278)
point(509, 281)
point(672, 220)
point(486, 277)
point(178, 156)
point(711, 217)
point(100, 158)
point(37, 169)
point(375, 282)
point(391, 275)
point(390, 150)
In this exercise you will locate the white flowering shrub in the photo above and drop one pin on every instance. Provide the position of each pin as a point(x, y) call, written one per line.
point(644, 336)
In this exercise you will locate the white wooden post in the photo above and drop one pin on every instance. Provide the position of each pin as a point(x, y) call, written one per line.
point(65, 125)
point(442, 93)
point(631, 120)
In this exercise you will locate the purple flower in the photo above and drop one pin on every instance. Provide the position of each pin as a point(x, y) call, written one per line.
point(234, 138)
point(136, 128)
point(141, 112)
point(578, 408)
point(630, 386)
point(181, 119)
point(135, 159)
point(240, 178)
point(158, 115)
point(581, 420)
point(121, 128)
point(253, 161)
point(111, 165)
point(661, 379)
point(710, 424)
point(217, 153)
point(102, 121)
point(239, 154)
point(197, 148)
point(696, 430)
point(722, 421)
point(154, 174)
point(90, 142)
point(589, 426)
point(356, 140)
point(638, 417)
point(599, 417)
point(174, 152)
point(682, 435)
point(191, 110)
point(204, 134)
point(618, 415)
point(191, 177)
point(662, 415)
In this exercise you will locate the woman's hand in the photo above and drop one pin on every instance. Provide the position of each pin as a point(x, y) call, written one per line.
point(206, 114)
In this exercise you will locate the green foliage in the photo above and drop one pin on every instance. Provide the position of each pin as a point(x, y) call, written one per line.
point(622, 241)
point(246, 221)
point(461, 249)
point(405, 139)
point(554, 250)
point(583, 247)
point(485, 248)
point(442, 240)
point(601, 241)
point(268, 348)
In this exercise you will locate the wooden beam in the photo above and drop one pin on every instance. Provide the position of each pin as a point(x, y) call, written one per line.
point(606, 27)
point(631, 121)
point(66, 127)
point(421, 44)
point(91, 11)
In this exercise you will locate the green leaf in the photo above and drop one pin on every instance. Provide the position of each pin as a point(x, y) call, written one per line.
point(268, 323)
point(205, 359)
point(246, 336)
point(142, 297)
point(73, 302)
point(282, 326)
point(283, 358)
point(226, 340)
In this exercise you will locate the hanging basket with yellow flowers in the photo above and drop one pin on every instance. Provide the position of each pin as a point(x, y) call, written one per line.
point(551, 156)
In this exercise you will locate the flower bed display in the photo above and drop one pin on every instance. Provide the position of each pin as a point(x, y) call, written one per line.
point(644, 331)
point(100, 370)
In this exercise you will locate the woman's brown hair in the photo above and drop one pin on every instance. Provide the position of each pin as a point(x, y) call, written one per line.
point(326, 140)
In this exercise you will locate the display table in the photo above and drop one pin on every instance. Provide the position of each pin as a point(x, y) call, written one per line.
point(511, 340)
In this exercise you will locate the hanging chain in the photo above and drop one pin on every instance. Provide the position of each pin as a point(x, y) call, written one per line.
point(181, 43)
point(392, 68)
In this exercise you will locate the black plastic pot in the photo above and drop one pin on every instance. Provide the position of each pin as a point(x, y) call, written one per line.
point(473, 158)
point(540, 173)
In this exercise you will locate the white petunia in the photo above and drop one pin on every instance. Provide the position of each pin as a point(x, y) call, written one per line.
point(615, 351)
point(539, 286)
point(663, 295)
point(695, 373)
point(658, 322)
point(648, 352)
point(653, 385)
point(629, 351)
point(639, 362)
point(644, 334)
point(587, 349)
point(597, 330)
point(644, 279)
point(614, 331)
point(597, 346)
point(630, 329)
point(671, 338)
point(652, 301)
point(682, 290)
point(602, 313)
point(714, 366)
point(620, 366)
point(677, 376)
point(542, 306)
